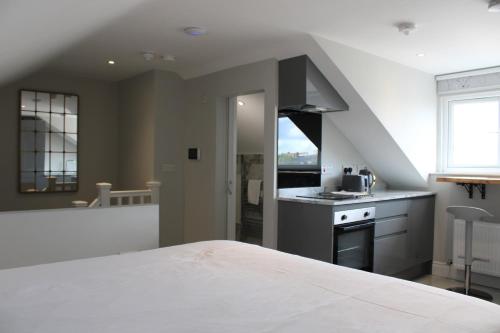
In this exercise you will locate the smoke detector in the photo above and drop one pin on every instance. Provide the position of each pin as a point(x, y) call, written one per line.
point(195, 31)
point(406, 27)
point(148, 56)
point(494, 6)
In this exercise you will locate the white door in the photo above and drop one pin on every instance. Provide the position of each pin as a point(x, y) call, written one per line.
point(232, 136)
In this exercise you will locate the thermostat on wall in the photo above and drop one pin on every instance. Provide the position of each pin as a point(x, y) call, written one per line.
point(194, 154)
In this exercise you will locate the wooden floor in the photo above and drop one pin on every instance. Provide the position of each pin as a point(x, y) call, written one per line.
point(441, 282)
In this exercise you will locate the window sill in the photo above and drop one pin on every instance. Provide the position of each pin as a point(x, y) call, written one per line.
point(467, 174)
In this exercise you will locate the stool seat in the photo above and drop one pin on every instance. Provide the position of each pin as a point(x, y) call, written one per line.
point(469, 215)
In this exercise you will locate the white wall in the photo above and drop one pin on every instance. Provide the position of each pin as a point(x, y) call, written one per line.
point(136, 132)
point(450, 194)
point(360, 125)
point(336, 152)
point(51, 235)
point(151, 143)
point(206, 128)
point(98, 136)
point(402, 98)
point(169, 154)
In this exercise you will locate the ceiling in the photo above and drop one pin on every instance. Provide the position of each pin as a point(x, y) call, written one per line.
point(79, 36)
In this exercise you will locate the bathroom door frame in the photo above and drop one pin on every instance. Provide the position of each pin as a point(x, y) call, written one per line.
point(232, 144)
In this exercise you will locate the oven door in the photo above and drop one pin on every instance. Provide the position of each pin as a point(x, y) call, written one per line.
point(353, 245)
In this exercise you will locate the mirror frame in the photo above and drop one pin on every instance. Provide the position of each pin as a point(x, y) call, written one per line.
point(63, 188)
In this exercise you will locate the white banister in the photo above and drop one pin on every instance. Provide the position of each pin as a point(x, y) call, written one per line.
point(104, 196)
point(154, 187)
point(79, 203)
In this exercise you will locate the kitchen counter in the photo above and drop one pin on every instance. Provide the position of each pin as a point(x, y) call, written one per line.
point(374, 197)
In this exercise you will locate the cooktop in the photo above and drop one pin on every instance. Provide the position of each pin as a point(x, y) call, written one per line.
point(335, 195)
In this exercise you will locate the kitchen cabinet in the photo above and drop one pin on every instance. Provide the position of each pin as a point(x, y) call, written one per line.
point(403, 235)
point(392, 250)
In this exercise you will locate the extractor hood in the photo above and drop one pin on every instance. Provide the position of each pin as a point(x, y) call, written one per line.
point(302, 87)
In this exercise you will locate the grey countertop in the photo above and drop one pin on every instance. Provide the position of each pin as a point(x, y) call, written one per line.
point(376, 196)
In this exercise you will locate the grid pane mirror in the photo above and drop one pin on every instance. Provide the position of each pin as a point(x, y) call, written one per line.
point(48, 142)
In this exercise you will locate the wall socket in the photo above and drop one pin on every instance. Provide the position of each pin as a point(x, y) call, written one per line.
point(350, 165)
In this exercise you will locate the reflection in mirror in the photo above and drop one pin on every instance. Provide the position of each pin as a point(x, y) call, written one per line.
point(71, 124)
point(27, 181)
point(48, 142)
point(70, 143)
point(28, 121)
point(56, 122)
point(27, 161)
point(42, 141)
point(72, 104)
point(42, 102)
point(57, 105)
point(28, 141)
point(28, 100)
point(57, 142)
point(42, 121)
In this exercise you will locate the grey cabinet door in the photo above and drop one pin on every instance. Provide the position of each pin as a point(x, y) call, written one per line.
point(421, 229)
point(391, 253)
point(306, 230)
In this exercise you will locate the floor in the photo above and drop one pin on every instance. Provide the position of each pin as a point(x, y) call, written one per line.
point(441, 282)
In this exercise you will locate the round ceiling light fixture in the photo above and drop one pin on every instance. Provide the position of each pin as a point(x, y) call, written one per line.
point(195, 31)
point(111, 62)
point(406, 27)
point(494, 6)
point(241, 103)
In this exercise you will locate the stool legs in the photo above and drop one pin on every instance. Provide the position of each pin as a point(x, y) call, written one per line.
point(467, 290)
point(467, 278)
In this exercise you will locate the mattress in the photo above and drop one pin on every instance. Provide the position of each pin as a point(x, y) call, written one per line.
point(224, 286)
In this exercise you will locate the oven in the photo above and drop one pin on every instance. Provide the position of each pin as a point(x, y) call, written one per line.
point(353, 237)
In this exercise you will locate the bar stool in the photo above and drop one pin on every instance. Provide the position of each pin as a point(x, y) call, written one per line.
point(469, 215)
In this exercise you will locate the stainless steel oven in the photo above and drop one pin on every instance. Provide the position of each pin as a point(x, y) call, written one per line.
point(353, 238)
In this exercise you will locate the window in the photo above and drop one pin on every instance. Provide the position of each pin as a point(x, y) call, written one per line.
point(470, 128)
point(297, 146)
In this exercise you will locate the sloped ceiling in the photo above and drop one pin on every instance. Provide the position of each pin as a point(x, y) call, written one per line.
point(82, 35)
point(360, 124)
point(402, 98)
point(32, 32)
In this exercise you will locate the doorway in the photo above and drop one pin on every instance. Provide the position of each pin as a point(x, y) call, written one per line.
point(245, 176)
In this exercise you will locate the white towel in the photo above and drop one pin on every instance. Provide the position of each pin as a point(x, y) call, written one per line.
point(253, 192)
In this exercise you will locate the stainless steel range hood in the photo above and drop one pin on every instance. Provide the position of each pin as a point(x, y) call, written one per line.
point(302, 87)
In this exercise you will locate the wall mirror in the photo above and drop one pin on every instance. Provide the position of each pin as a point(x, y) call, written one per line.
point(48, 142)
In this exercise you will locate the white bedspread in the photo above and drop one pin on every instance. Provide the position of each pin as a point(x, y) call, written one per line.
point(223, 286)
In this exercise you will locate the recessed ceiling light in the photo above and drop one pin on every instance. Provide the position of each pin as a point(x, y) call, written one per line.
point(195, 31)
point(494, 6)
point(241, 103)
point(111, 62)
point(23, 106)
point(420, 54)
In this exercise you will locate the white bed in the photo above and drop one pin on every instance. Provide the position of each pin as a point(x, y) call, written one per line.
point(223, 286)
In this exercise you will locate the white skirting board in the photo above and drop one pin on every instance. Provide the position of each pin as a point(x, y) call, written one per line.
point(445, 270)
point(44, 236)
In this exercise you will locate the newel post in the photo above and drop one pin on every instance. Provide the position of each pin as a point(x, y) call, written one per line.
point(104, 194)
point(154, 187)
